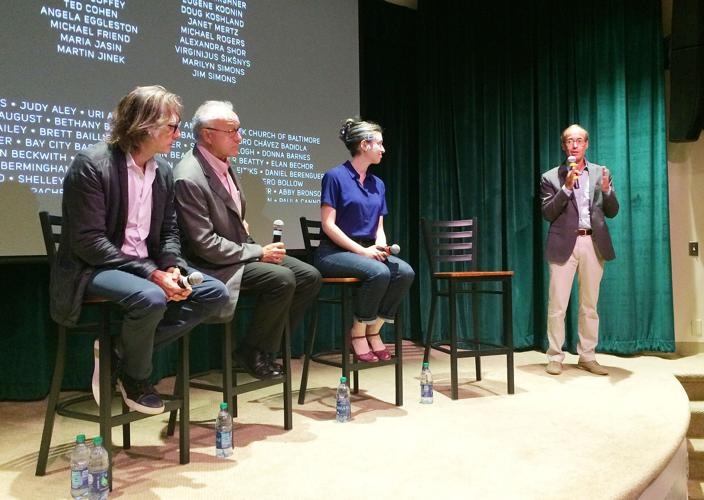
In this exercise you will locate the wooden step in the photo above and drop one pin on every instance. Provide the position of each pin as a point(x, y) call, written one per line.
point(693, 385)
point(696, 419)
point(695, 452)
point(695, 489)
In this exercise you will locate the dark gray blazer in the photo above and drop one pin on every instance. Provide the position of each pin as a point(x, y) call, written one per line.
point(214, 238)
point(94, 211)
point(561, 211)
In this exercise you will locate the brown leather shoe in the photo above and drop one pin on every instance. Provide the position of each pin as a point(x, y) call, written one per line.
point(592, 367)
point(554, 368)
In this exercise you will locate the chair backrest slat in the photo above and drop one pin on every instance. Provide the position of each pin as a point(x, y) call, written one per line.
point(312, 232)
point(51, 231)
point(450, 243)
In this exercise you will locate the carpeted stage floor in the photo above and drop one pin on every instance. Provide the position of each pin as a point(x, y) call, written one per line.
point(575, 436)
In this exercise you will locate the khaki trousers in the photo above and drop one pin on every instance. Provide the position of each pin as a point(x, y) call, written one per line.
point(589, 268)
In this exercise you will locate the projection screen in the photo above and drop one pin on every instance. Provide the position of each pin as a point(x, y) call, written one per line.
point(290, 67)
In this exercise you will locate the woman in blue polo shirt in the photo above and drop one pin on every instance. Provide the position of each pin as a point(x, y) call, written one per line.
point(353, 206)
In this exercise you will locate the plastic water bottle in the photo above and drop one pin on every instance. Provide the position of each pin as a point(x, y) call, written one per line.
point(426, 384)
point(343, 408)
point(79, 468)
point(98, 465)
point(223, 432)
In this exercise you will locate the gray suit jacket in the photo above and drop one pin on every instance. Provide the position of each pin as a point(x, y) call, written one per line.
point(213, 236)
point(561, 211)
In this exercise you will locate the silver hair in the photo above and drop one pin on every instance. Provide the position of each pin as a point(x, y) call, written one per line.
point(209, 111)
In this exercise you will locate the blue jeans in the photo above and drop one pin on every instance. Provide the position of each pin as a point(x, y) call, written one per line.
point(384, 284)
point(149, 320)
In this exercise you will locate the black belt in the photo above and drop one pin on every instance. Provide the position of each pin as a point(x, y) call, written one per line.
point(360, 241)
point(583, 232)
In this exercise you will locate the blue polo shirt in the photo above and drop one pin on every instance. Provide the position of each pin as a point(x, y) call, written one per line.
point(358, 206)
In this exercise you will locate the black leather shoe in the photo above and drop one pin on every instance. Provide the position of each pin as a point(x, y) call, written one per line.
point(255, 362)
point(275, 367)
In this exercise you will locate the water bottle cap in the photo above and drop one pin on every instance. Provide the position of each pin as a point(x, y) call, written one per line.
point(81, 438)
point(223, 406)
point(343, 379)
point(97, 441)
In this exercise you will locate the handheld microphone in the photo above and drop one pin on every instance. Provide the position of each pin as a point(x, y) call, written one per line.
point(393, 249)
point(278, 230)
point(572, 161)
point(195, 278)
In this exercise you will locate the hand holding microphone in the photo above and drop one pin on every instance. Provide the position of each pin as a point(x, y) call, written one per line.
point(195, 278)
point(175, 286)
point(573, 174)
point(390, 250)
point(278, 231)
point(274, 252)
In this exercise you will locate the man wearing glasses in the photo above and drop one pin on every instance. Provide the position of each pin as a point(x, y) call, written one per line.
point(120, 241)
point(576, 197)
point(211, 210)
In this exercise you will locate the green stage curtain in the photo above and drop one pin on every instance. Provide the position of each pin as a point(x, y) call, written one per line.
point(498, 83)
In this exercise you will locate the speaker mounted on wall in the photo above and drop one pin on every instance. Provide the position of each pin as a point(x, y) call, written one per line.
point(687, 71)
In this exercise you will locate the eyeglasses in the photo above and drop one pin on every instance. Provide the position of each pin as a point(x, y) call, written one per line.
point(173, 126)
point(232, 131)
point(578, 142)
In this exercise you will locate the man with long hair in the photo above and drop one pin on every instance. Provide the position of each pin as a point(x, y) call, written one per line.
point(120, 241)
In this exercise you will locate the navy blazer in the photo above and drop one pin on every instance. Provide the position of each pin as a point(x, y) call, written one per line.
point(563, 214)
point(94, 211)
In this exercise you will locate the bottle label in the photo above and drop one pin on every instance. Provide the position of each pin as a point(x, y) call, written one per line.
point(426, 390)
point(99, 482)
point(343, 409)
point(223, 440)
point(79, 479)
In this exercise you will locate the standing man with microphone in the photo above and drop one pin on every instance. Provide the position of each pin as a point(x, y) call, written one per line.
point(211, 211)
point(576, 197)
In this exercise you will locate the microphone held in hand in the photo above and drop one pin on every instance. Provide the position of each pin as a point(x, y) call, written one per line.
point(572, 162)
point(391, 250)
point(278, 230)
point(195, 278)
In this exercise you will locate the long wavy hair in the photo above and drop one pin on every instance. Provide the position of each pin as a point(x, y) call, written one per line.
point(139, 113)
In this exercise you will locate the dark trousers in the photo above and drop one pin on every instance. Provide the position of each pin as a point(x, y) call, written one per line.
point(283, 293)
